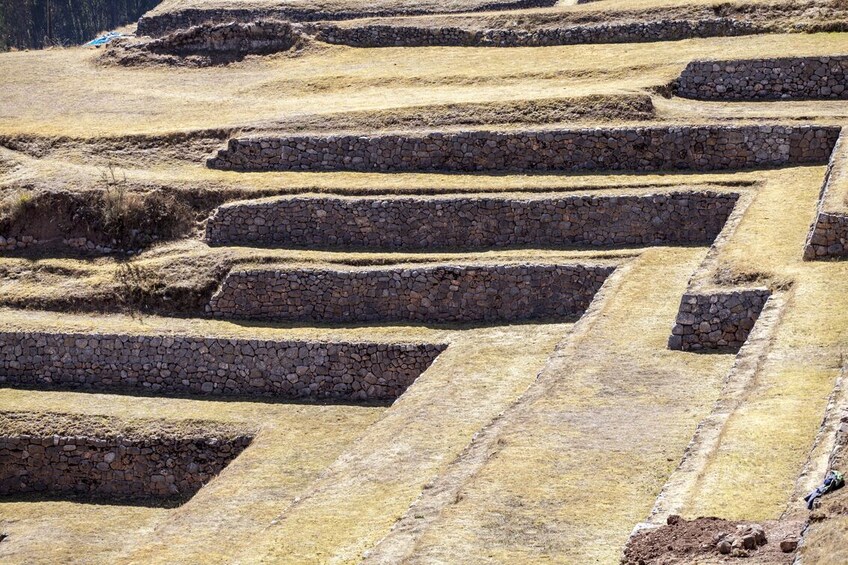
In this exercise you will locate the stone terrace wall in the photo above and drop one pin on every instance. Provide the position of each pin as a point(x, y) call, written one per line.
point(205, 45)
point(633, 149)
point(157, 25)
point(380, 35)
point(268, 36)
point(828, 236)
point(430, 294)
point(112, 466)
point(696, 217)
point(794, 77)
point(195, 365)
point(717, 321)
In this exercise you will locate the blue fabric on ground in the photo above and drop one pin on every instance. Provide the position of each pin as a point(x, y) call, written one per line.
point(104, 39)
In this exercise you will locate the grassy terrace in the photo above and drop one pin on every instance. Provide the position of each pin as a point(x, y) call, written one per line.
point(523, 443)
point(65, 92)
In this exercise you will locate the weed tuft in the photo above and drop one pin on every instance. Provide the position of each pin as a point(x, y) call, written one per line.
point(15, 205)
point(134, 287)
point(133, 219)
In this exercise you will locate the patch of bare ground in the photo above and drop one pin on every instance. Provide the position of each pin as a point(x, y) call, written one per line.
point(111, 219)
point(696, 541)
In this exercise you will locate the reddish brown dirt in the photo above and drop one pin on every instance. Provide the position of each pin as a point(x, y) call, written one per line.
point(694, 541)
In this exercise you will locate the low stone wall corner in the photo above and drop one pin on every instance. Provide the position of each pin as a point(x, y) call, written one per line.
point(717, 321)
point(828, 237)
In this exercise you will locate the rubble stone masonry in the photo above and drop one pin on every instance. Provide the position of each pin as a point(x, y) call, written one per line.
point(106, 464)
point(216, 366)
point(162, 23)
point(382, 35)
point(429, 294)
point(785, 78)
point(488, 221)
point(703, 148)
point(828, 236)
point(717, 321)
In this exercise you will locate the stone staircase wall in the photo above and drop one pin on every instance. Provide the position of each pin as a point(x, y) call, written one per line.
point(702, 148)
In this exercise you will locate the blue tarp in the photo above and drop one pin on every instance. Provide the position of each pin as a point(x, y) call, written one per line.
point(104, 39)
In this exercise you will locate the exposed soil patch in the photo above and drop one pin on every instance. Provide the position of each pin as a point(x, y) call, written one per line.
point(112, 219)
point(696, 541)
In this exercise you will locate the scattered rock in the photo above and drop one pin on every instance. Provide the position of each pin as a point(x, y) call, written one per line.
point(673, 519)
point(789, 544)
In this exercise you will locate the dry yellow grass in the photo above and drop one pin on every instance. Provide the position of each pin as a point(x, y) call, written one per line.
point(293, 446)
point(767, 441)
point(356, 498)
point(577, 455)
point(581, 459)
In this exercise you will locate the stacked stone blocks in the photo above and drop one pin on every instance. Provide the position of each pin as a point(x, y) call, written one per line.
point(717, 321)
point(381, 35)
point(154, 466)
point(828, 238)
point(757, 79)
point(157, 25)
point(257, 37)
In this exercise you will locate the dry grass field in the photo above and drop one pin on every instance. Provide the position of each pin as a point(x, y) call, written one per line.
point(549, 440)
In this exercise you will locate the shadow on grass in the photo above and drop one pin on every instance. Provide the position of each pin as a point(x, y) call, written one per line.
point(203, 397)
point(98, 500)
